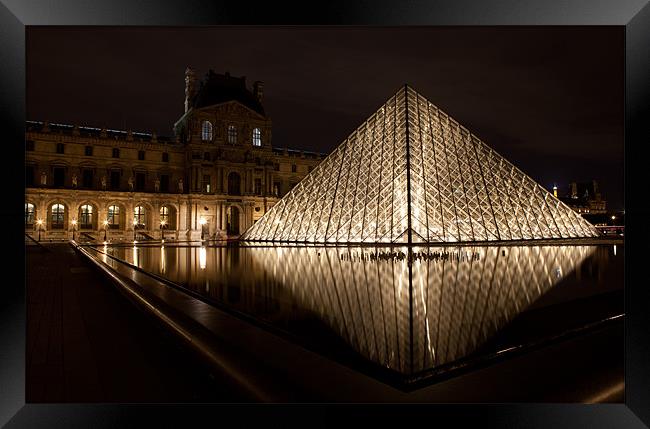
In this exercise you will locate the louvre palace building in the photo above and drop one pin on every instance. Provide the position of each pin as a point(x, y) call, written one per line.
point(216, 176)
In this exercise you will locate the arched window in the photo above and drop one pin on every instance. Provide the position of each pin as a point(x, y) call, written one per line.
point(138, 216)
point(232, 134)
point(29, 214)
point(257, 137)
point(164, 216)
point(206, 131)
point(113, 217)
point(168, 215)
point(86, 216)
point(58, 213)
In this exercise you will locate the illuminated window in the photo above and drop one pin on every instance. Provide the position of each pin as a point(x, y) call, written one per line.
point(206, 131)
point(113, 217)
point(58, 212)
point(164, 214)
point(138, 216)
point(86, 216)
point(168, 216)
point(232, 134)
point(257, 137)
point(29, 214)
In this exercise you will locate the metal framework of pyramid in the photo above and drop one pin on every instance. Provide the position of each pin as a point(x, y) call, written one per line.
point(412, 174)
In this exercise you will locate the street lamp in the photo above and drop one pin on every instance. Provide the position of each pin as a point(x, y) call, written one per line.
point(135, 223)
point(613, 217)
point(162, 229)
point(39, 223)
point(105, 226)
point(74, 227)
point(202, 221)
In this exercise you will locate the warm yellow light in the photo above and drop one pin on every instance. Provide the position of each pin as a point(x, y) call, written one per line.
point(105, 222)
point(74, 221)
point(40, 221)
point(202, 221)
point(135, 222)
point(613, 217)
point(202, 258)
point(163, 222)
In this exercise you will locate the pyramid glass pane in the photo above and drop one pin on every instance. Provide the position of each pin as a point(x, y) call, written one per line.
point(411, 174)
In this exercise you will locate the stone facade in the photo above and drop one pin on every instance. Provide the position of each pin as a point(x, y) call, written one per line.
point(214, 178)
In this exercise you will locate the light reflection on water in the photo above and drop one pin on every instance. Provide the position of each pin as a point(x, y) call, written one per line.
point(404, 311)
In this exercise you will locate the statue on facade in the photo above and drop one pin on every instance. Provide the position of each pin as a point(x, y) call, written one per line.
point(43, 178)
point(180, 186)
point(157, 184)
point(74, 180)
point(131, 183)
point(104, 182)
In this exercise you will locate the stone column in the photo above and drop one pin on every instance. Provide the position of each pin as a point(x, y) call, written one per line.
point(156, 218)
point(184, 216)
point(217, 215)
point(128, 218)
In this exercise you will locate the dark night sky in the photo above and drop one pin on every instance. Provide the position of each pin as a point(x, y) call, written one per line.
point(550, 99)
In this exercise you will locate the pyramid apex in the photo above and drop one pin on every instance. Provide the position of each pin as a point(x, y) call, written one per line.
point(411, 194)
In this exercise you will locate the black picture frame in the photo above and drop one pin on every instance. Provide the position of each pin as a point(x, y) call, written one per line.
point(15, 15)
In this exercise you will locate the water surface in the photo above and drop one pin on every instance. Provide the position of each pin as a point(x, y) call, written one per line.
point(406, 312)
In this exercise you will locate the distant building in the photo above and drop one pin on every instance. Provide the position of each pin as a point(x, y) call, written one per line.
point(215, 177)
point(584, 198)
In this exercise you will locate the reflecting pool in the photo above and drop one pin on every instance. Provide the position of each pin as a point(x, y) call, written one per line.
point(405, 311)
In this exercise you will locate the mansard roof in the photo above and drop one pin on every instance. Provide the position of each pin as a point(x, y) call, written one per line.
point(84, 131)
point(220, 88)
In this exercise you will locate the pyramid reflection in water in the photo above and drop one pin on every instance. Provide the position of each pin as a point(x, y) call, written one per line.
point(410, 173)
point(456, 302)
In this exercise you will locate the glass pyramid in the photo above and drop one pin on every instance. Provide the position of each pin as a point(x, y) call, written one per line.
point(412, 174)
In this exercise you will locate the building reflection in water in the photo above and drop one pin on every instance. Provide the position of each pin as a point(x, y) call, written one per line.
point(407, 311)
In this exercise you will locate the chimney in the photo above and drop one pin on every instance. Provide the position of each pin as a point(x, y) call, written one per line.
point(258, 90)
point(190, 86)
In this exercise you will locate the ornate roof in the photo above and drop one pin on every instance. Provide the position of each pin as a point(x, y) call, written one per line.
point(220, 88)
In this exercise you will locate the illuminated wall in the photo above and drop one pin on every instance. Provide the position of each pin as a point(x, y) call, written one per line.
point(410, 174)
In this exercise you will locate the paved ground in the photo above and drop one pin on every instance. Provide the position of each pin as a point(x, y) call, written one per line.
point(88, 343)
